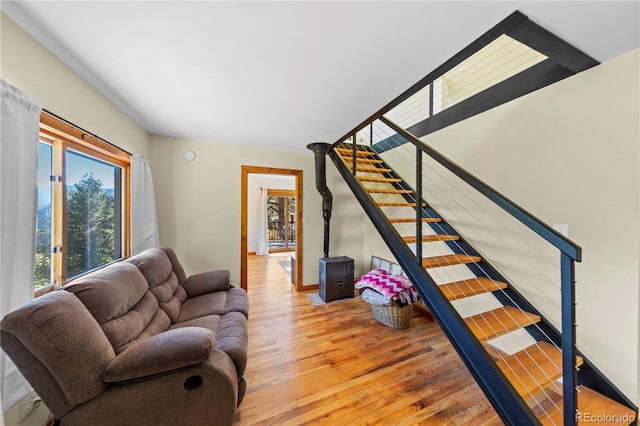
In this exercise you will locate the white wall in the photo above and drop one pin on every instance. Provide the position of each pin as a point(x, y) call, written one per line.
point(569, 154)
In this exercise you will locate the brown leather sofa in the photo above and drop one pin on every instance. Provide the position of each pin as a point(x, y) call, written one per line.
point(136, 342)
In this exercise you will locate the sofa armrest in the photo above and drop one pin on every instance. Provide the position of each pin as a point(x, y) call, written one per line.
point(207, 282)
point(160, 354)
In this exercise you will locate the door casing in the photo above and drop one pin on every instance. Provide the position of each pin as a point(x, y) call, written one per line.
point(245, 171)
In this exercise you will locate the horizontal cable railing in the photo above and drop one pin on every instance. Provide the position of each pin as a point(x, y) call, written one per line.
point(490, 378)
point(444, 194)
point(408, 166)
point(538, 226)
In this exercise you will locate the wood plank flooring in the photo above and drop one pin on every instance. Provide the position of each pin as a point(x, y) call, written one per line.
point(334, 364)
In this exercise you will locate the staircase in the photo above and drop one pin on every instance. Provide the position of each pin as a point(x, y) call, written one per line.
point(531, 377)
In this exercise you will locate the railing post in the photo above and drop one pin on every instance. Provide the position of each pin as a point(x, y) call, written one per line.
point(371, 134)
point(431, 98)
point(353, 159)
point(419, 206)
point(569, 352)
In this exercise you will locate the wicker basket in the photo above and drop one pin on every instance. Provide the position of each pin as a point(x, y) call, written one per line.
point(392, 316)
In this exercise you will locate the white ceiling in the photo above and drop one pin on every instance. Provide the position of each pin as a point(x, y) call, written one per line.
point(284, 74)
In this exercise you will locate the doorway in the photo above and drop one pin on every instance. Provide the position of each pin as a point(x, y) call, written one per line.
point(287, 230)
point(281, 220)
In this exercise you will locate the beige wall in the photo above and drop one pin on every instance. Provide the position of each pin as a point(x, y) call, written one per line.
point(198, 204)
point(29, 66)
point(569, 154)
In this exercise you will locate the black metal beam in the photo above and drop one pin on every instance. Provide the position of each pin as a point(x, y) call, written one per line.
point(519, 27)
point(536, 77)
point(510, 22)
point(551, 46)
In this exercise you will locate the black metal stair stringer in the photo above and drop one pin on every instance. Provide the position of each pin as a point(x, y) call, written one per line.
point(590, 375)
point(511, 408)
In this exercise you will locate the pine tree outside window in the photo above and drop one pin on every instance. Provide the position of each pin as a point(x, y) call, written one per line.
point(83, 204)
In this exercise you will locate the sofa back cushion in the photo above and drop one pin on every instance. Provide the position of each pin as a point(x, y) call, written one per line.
point(118, 297)
point(59, 348)
point(175, 264)
point(157, 268)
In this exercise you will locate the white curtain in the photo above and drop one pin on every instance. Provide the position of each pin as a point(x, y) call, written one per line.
point(20, 118)
point(144, 223)
point(262, 245)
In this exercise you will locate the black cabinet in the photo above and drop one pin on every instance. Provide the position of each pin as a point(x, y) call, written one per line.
point(336, 278)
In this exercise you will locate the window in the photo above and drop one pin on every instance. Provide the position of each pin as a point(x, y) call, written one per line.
point(83, 204)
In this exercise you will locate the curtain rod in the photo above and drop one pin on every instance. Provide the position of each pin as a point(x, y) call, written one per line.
point(83, 130)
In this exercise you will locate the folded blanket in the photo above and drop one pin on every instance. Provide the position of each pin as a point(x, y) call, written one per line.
point(395, 288)
point(372, 297)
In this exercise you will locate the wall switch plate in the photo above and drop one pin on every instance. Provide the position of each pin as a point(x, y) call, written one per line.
point(562, 229)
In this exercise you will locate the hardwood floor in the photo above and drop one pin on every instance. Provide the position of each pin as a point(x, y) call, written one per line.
point(335, 364)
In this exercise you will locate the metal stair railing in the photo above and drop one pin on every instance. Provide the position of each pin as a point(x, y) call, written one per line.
point(511, 408)
point(569, 254)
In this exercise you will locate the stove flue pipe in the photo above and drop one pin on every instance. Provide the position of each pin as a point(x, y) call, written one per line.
point(320, 149)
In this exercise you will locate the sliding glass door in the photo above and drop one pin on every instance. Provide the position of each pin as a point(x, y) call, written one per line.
point(281, 213)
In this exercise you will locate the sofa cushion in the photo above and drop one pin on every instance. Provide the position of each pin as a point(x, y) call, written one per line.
point(157, 268)
point(161, 354)
point(118, 297)
point(175, 264)
point(216, 303)
point(231, 333)
point(159, 323)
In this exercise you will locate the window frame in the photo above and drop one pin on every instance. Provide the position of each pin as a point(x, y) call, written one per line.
point(63, 136)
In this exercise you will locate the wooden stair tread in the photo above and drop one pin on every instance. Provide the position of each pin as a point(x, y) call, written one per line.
point(494, 323)
point(370, 169)
point(388, 191)
point(449, 259)
point(413, 219)
point(465, 288)
point(362, 160)
point(378, 179)
point(533, 368)
point(592, 406)
point(359, 152)
point(431, 238)
point(398, 204)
